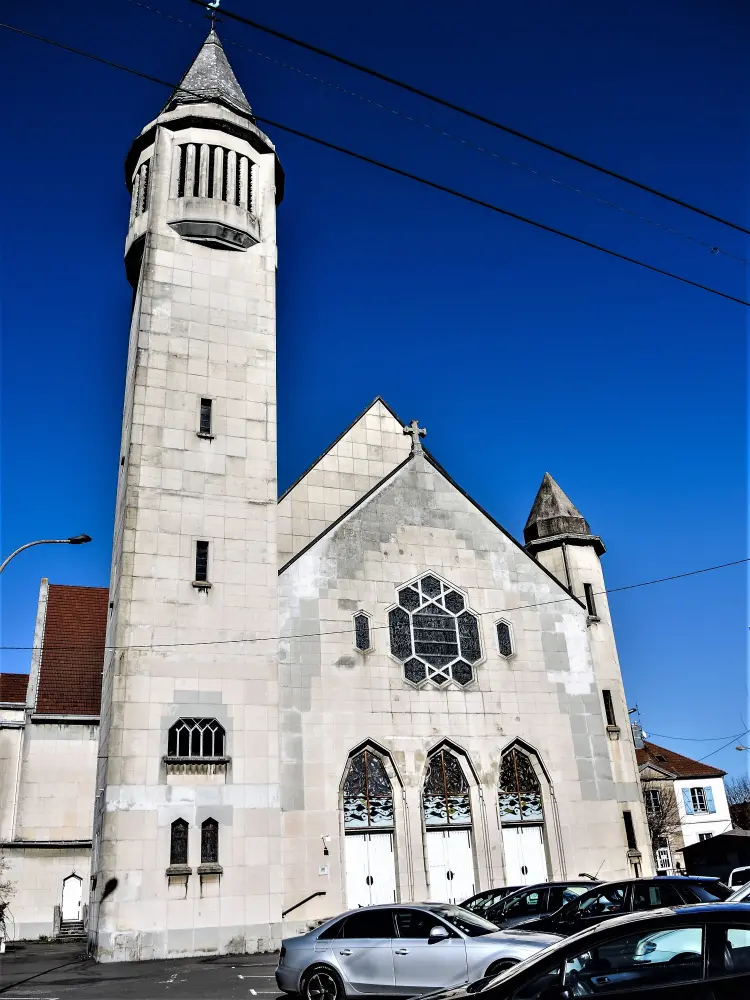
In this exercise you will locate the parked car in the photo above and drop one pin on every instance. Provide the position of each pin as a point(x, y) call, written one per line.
point(400, 949)
point(490, 897)
point(613, 899)
point(535, 901)
point(688, 953)
point(738, 877)
point(741, 895)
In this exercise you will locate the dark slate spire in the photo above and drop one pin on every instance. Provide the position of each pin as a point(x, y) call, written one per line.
point(553, 513)
point(210, 78)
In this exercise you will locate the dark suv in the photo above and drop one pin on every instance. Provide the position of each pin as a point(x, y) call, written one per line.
point(637, 895)
point(535, 901)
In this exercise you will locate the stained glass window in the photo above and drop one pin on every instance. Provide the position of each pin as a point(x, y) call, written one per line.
point(209, 842)
point(519, 792)
point(362, 631)
point(368, 797)
point(178, 843)
point(434, 634)
point(504, 639)
point(445, 795)
point(195, 738)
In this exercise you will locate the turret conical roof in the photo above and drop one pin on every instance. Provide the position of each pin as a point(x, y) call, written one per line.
point(554, 513)
point(210, 78)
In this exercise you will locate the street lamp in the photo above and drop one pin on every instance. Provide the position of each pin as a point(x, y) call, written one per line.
point(74, 540)
point(741, 748)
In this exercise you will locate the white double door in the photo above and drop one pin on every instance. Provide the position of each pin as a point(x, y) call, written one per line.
point(450, 861)
point(370, 869)
point(525, 856)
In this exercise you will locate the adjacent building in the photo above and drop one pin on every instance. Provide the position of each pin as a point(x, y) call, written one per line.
point(363, 691)
point(685, 800)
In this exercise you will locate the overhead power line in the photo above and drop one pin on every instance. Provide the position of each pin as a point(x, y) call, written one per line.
point(467, 143)
point(472, 114)
point(392, 169)
point(733, 740)
point(347, 631)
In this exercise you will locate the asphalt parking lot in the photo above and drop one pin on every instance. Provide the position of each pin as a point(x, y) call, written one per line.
point(46, 971)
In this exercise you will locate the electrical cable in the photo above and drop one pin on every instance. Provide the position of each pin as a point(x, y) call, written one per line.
point(687, 739)
point(396, 170)
point(473, 114)
point(712, 248)
point(733, 739)
point(347, 631)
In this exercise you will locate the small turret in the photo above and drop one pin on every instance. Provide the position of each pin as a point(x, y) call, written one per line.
point(210, 78)
point(555, 519)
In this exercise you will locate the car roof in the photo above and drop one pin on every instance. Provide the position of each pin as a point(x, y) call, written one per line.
point(713, 912)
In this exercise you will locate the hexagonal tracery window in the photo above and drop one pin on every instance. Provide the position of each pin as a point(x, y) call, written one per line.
point(434, 634)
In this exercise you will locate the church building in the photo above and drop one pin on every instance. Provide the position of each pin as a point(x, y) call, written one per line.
point(363, 691)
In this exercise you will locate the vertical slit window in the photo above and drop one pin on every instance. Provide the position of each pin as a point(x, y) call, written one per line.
point(609, 708)
point(627, 818)
point(145, 177)
point(201, 562)
point(204, 426)
point(178, 843)
point(209, 842)
point(588, 591)
point(362, 632)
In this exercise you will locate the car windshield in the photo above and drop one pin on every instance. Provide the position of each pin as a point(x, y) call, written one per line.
point(741, 894)
point(483, 903)
point(470, 923)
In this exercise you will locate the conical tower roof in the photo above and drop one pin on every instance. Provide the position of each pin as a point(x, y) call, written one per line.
point(554, 513)
point(210, 78)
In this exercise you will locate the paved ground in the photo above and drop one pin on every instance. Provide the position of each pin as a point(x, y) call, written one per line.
point(39, 971)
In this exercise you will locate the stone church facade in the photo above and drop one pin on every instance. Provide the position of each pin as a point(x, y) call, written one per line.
point(365, 691)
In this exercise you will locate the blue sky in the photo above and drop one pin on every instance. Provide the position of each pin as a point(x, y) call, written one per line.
point(519, 351)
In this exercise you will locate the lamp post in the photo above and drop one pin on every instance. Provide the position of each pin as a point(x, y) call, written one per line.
point(741, 748)
point(75, 540)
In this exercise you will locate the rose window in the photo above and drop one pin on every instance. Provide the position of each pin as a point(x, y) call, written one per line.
point(434, 634)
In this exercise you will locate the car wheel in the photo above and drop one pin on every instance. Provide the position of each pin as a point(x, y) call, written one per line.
point(497, 967)
point(322, 983)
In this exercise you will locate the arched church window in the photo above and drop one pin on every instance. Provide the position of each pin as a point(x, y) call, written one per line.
point(178, 843)
point(445, 796)
point(196, 738)
point(519, 792)
point(368, 796)
point(434, 634)
point(209, 842)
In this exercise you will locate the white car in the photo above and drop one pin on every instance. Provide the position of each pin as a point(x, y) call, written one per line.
point(742, 895)
point(739, 877)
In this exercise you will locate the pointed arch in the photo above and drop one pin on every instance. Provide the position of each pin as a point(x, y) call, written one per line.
point(367, 791)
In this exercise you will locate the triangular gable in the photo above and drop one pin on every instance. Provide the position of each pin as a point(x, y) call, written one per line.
point(431, 463)
point(368, 451)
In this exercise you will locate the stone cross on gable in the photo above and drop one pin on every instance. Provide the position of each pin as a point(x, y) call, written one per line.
point(416, 433)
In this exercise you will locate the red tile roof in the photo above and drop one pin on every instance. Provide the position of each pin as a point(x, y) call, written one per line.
point(675, 763)
point(70, 675)
point(13, 687)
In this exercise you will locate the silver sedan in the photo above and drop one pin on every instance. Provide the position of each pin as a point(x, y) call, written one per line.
point(400, 950)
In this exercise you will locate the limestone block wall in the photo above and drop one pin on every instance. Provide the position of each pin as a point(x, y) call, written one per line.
point(56, 792)
point(11, 737)
point(371, 448)
point(38, 875)
point(334, 697)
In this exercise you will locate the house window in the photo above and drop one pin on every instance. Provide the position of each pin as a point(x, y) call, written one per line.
point(588, 591)
point(362, 631)
point(627, 818)
point(652, 798)
point(434, 634)
point(698, 800)
point(209, 842)
point(368, 796)
point(178, 843)
point(704, 836)
point(195, 738)
point(504, 638)
point(204, 426)
point(201, 562)
point(609, 708)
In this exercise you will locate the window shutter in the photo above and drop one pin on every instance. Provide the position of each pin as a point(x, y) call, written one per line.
point(709, 793)
point(688, 802)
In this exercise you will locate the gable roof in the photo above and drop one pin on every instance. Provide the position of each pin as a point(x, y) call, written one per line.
point(673, 763)
point(13, 688)
point(70, 672)
point(427, 457)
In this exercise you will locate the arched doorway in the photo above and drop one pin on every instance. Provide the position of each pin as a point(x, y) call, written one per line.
point(72, 896)
point(447, 818)
point(368, 832)
point(522, 820)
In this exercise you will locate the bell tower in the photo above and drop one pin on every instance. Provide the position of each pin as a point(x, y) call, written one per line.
point(187, 833)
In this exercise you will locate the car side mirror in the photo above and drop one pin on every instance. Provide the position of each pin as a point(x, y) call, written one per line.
point(437, 933)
